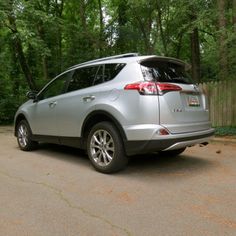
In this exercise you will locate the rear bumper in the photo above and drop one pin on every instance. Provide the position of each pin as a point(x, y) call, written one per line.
point(168, 142)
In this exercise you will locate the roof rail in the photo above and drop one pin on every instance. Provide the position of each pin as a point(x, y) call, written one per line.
point(106, 58)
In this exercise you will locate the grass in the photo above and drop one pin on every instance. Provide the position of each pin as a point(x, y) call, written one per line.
point(225, 131)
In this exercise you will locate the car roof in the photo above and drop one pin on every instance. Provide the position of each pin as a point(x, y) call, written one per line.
point(125, 58)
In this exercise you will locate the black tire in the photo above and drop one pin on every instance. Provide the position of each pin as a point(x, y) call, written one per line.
point(173, 152)
point(24, 134)
point(105, 148)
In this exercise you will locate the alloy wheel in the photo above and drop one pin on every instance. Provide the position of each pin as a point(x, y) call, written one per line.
point(102, 147)
point(23, 135)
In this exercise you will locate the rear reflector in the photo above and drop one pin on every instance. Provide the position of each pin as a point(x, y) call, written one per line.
point(152, 88)
point(163, 131)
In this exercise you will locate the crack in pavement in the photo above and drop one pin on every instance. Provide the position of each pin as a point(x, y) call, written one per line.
point(60, 194)
point(202, 209)
point(205, 213)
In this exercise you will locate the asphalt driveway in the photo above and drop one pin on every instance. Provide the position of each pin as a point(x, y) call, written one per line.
point(55, 191)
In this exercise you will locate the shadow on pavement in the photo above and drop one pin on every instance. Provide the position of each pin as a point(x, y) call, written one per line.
point(144, 165)
point(156, 164)
point(61, 152)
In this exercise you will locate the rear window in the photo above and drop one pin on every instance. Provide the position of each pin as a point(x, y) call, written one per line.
point(165, 71)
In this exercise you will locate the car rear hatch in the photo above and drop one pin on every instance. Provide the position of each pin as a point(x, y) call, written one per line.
point(183, 106)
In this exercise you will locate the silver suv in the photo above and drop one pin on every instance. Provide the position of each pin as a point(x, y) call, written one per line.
point(116, 107)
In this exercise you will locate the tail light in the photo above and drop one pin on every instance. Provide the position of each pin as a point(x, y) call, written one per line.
point(165, 88)
point(144, 88)
point(152, 88)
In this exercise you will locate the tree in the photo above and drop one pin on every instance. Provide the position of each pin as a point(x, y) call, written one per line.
point(39, 39)
point(18, 45)
point(223, 62)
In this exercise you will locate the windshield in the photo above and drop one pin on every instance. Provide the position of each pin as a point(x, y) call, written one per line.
point(165, 71)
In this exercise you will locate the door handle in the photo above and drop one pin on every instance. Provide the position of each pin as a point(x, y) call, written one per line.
point(52, 104)
point(89, 98)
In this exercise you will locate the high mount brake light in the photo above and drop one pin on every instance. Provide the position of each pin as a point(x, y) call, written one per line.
point(152, 88)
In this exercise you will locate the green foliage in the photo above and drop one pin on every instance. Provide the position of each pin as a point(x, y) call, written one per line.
point(39, 39)
point(8, 107)
point(9, 101)
point(225, 131)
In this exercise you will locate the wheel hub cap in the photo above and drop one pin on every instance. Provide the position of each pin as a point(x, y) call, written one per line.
point(22, 135)
point(102, 147)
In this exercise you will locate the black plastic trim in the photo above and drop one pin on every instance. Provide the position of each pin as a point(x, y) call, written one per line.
point(68, 141)
point(109, 116)
point(146, 146)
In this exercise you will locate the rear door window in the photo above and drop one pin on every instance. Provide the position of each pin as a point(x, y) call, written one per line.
point(93, 75)
point(165, 71)
point(82, 78)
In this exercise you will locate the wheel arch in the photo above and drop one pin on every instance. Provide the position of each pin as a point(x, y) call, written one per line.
point(99, 116)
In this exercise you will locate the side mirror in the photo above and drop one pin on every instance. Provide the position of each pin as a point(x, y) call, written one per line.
point(32, 95)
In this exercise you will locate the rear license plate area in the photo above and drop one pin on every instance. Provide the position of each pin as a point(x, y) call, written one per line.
point(193, 100)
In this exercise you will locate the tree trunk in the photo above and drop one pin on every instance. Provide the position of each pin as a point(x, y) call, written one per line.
point(82, 15)
point(101, 34)
point(195, 55)
point(19, 50)
point(60, 11)
point(223, 62)
point(15, 72)
point(159, 21)
point(179, 45)
point(234, 15)
point(24, 65)
point(148, 48)
point(122, 20)
point(44, 58)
